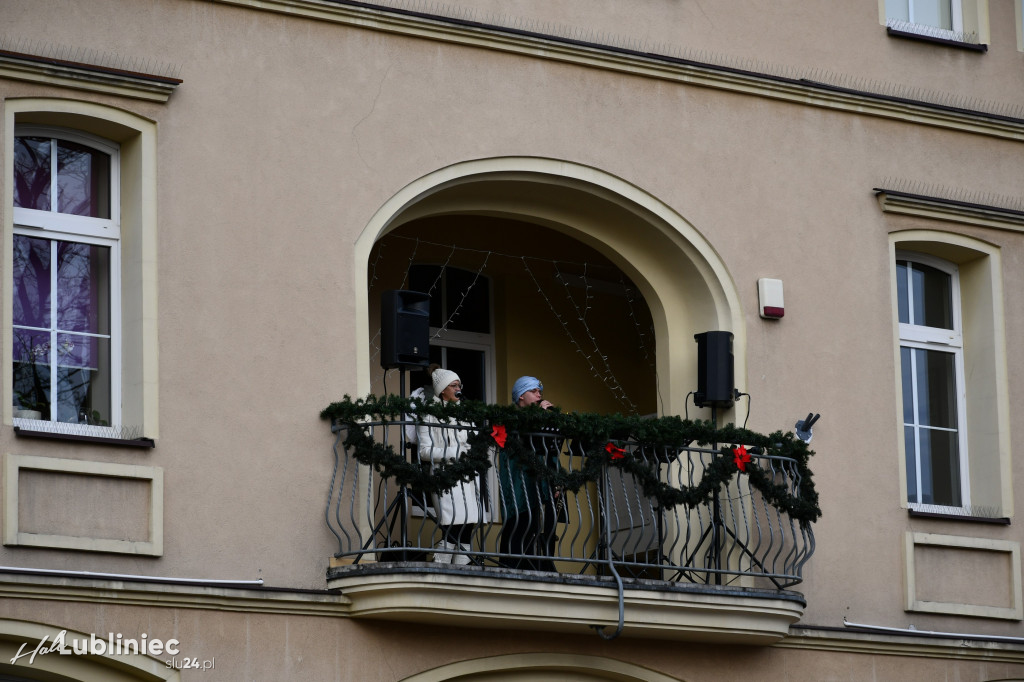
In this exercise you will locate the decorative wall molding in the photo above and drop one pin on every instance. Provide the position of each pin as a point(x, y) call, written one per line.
point(1014, 608)
point(15, 535)
point(84, 76)
point(938, 208)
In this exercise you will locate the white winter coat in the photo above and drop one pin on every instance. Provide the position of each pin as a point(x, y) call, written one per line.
point(438, 443)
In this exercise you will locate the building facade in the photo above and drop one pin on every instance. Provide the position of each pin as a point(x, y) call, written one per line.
point(204, 201)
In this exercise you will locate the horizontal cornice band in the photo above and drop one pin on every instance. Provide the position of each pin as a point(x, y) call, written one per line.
point(850, 641)
point(528, 43)
point(35, 69)
point(937, 208)
point(164, 595)
point(325, 604)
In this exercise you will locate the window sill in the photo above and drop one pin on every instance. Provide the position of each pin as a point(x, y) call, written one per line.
point(997, 520)
point(23, 432)
point(949, 42)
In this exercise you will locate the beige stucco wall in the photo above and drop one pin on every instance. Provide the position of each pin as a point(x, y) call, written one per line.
point(278, 157)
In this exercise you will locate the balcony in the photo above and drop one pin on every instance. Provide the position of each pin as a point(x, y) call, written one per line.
point(569, 523)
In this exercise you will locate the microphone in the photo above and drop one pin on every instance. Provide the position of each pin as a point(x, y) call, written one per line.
point(458, 395)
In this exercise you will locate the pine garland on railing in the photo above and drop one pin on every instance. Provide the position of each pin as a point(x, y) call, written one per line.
point(598, 437)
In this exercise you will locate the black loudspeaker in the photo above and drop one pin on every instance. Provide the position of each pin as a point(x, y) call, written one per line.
point(404, 329)
point(715, 385)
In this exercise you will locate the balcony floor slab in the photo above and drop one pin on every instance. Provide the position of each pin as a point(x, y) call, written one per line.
point(471, 596)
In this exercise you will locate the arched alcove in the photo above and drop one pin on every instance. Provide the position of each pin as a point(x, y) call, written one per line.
point(685, 285)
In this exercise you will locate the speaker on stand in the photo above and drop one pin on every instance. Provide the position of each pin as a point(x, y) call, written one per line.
point(404, 345)
point(715, 388)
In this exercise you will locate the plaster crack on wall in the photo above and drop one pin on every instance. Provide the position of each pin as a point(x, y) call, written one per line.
point(373, 107)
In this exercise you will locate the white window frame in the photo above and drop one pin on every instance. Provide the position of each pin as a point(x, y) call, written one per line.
point(956, 11)
point(56, 226)
point(1019, 16)
point(946, 341)
point(470, 341)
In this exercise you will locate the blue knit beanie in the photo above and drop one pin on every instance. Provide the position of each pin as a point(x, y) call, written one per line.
point(524, 384)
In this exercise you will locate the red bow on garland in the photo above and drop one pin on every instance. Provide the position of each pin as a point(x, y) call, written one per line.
point(499, 435)
point(741, 457)
point(615, 451)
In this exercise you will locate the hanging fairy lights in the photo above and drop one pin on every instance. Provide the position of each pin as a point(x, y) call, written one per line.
point(584, 341)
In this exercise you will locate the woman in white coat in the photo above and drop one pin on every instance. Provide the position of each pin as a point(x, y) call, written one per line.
point(458, 509)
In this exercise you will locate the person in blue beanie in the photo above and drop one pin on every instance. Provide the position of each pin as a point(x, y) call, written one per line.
point(528, 505)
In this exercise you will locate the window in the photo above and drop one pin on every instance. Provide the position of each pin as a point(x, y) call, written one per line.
point(65, 343)
point(931, 364)
point(91, 209)
point(921, 260)
point(460, 325)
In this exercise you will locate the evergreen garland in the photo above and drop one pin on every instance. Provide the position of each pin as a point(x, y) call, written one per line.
point(597, 437)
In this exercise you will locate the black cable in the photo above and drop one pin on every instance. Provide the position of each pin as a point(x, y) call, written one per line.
point(738, 395)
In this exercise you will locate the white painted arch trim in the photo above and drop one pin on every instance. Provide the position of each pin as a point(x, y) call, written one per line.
point(90, 668)
point(661, 219)
point(513, 666)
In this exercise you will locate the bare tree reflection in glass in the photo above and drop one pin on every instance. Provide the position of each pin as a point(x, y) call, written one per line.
point(83, 180)
point(71, 339)
point(32, 173)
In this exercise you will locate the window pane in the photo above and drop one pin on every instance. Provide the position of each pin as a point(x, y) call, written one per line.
point(32, 173)
point(931, 297)
point(469, 365)
point(940, 468)
point(911, 447)
point(31, 270)
point(902, 293)
point(83, 180)
point(467, 301)
point(906, 370)
point(936, 389)
point(79, 363)
point(83, 386)
point(897, 9)
point(83, 288)
point(933, 13)
point(427, 279)
point(32, 372)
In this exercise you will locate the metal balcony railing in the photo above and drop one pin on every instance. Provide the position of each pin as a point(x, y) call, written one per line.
point(515, 516)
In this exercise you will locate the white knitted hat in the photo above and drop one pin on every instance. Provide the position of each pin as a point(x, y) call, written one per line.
point(442, 378)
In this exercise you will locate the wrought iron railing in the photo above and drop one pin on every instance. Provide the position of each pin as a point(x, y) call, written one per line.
point(511, 518)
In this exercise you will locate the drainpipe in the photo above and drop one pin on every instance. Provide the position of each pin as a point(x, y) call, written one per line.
point(953, 635)
point(132, 578)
